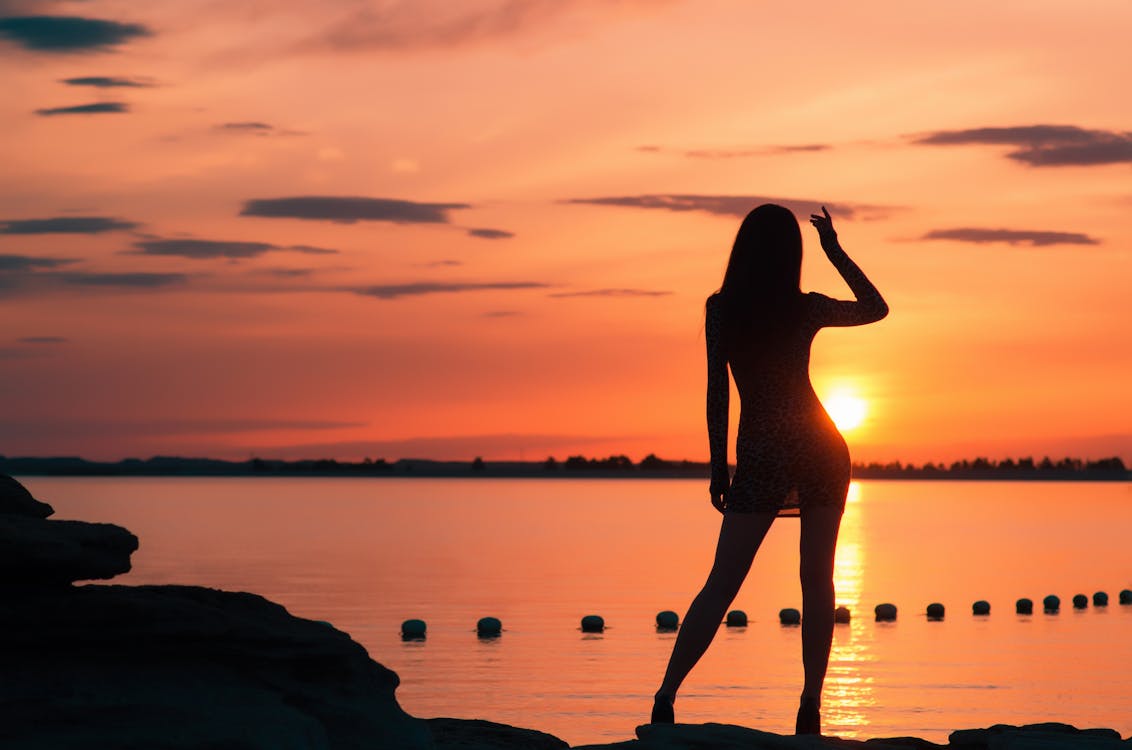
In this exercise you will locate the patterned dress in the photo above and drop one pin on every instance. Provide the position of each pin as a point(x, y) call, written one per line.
point(789, 455)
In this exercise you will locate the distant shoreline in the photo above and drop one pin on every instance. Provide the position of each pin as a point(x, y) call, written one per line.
point(614, 467)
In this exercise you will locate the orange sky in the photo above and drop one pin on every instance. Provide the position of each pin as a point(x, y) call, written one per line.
point(161, 296)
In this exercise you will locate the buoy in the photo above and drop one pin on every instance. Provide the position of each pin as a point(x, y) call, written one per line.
point(981, 607)
point(489, 627)
point(1126, 596)
point(789, 616)
point(1024, 606)
point(842, 615)
point(413, 630)
point(1080, 601)
point(593, 624)
point(1051, 604)
point(1100, 599)
point(935, 611)
point(667, 620)
point(736, 618)
point(885, 612)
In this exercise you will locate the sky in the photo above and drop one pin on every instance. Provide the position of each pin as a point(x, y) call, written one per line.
point(447, 229)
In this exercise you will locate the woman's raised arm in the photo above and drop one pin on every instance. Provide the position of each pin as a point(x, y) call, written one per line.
point(869, 306)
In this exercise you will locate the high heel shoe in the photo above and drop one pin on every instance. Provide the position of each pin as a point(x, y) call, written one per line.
point(662, 712)
point(809, 718)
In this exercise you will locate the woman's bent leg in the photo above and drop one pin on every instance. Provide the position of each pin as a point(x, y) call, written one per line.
point(739, 540)
point(820, 524)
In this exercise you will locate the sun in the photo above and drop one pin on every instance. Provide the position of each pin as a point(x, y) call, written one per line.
point(846, 409)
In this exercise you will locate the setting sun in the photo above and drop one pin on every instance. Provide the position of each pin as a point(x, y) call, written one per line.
point(846, 409)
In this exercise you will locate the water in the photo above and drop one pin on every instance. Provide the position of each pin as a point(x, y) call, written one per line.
point(539, 554)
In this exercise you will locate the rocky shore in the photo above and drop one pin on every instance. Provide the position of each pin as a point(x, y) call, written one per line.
point(172, 667)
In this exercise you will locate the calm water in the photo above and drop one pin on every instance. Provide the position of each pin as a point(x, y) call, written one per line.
point(367, 554)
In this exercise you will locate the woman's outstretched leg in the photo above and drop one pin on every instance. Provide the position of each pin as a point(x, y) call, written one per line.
point(818, 544)
point(739, 540)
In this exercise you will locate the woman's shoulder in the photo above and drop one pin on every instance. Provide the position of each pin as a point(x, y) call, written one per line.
point(714, 300)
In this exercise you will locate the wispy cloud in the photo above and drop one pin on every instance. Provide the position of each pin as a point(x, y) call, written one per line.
point(68, 34)
point(734, 205)
point(205, 249)
point(350, 209)
point(491, 234)
point(258, 128)
point(1011, 237)
point(502, 314)
point(43, 340)
point(415, 24)
point(613, 293)
point(97, 108)
point(736, 153)
point(1043, 145)
point(414, 289)
point(445, 263)
point(107, 82)
point(65, 225)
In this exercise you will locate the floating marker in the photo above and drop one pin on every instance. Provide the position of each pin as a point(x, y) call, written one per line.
point(489, 627)
point(885, 612)
point(935, 611)
point(1080, 601)
point(736, 618)
point(1126, 596)
point(413, 630)
point(593, 624)
point(1024, 606)
point(667, 620)
point(981, 607)
point(789, 616)
point(1100, 599)
point(842, 615)
point(1051, 604)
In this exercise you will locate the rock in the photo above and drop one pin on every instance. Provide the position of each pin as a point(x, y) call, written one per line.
point(39, 552)
point(667, 620)
point(593, 624)
point(730, 737)
point(935, 611)
point(175, 667)
point(842, 615)
point(1050, 735)
point(885, 612)
point(789, 616)
point(736, 618)
point(476, 734)
point(16, 500)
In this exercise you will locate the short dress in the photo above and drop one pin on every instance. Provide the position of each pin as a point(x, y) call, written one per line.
point(789, 454)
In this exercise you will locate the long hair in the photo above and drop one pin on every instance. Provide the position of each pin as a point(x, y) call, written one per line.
point(762, 284)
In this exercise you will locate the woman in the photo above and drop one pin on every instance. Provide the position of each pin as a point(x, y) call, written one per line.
point(790, 458)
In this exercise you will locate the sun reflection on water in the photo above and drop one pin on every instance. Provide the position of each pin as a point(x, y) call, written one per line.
point(849, 692)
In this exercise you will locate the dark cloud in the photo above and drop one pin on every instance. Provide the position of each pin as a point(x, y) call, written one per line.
point(613, 293)
point(43, 340)
point(64, 225)
point(258, 128)
point(1011, 237)
point(97, 108)
point(446, 263)
point(1044, 145)
point(734, 205)
point(501, 314)
point(137, 279)
point(204, 249)
point(289, 273)
point(393, 291)
point(736, 153)
point(347, 209)
point(491, 234)
point(68, 33)
point(107, 82)
point(200, 249)
point(19, 263)
point(88, 429)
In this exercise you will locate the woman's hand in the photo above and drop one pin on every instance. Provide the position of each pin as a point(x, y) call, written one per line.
point(718, 491)
point(824, 224)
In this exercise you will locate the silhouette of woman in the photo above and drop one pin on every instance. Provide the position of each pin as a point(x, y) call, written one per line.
point(790, 458)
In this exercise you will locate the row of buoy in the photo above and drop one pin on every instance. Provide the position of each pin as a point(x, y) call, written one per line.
point(668, 621)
